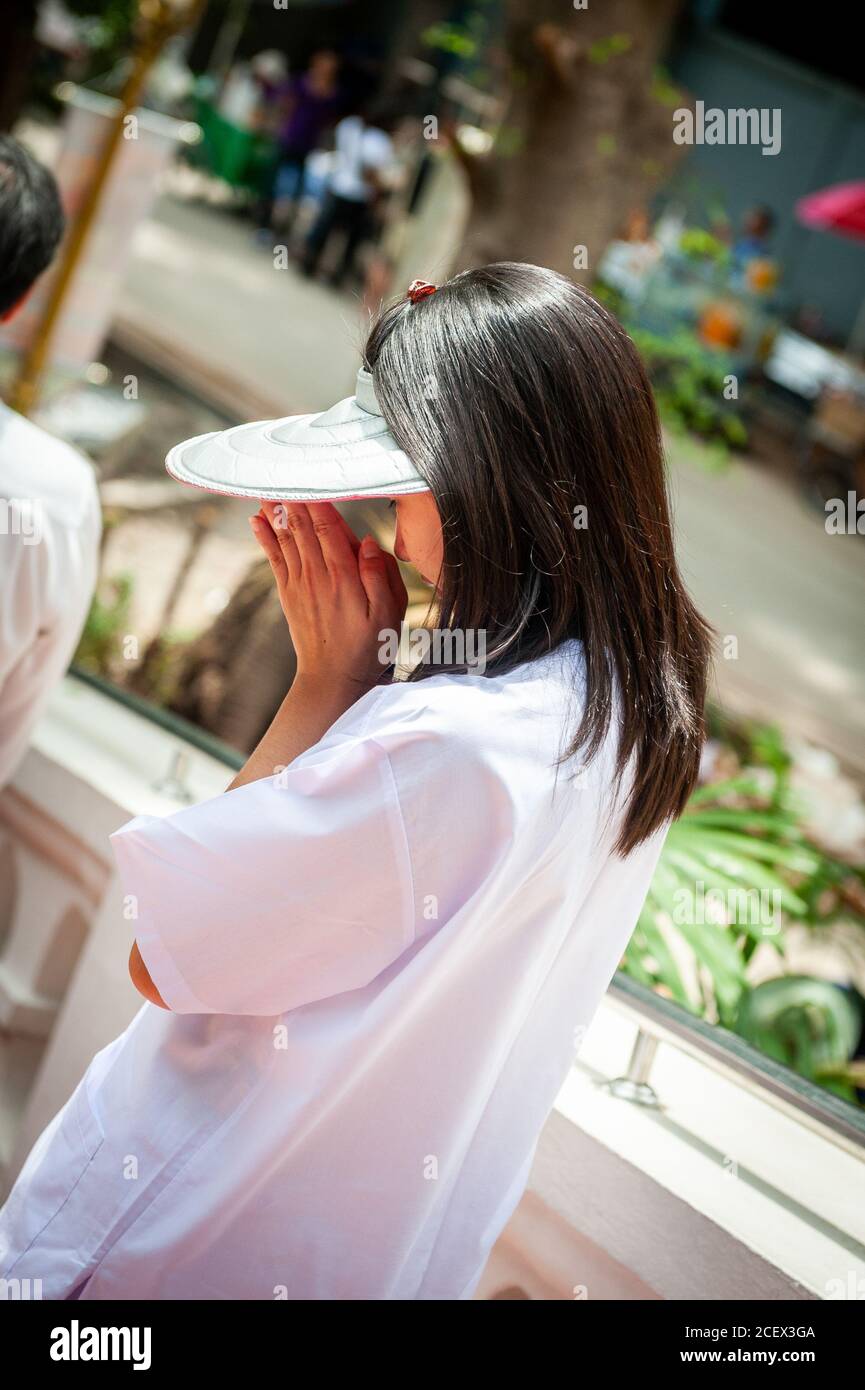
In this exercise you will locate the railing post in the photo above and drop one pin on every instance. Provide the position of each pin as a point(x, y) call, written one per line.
point(634, 1085)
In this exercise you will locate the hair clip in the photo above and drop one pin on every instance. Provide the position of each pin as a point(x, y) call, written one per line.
point(419, 289)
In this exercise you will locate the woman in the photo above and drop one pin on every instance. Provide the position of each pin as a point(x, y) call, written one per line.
point(373, 958)
point(307, 105)
point(363, 155)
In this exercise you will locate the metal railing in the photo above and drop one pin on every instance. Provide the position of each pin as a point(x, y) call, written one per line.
point(661, 1020)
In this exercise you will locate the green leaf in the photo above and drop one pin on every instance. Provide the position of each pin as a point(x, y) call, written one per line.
point(797, 858)
point(668, 971)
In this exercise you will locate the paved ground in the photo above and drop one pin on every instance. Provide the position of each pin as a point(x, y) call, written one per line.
point(762, 567)
point(199, 281)
point(759, 562)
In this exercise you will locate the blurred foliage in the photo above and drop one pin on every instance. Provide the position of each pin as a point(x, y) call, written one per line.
point(110, 19)
point(107, 623)
point(611, 298)
point(664, 89)
point(609, 47)
point(107, 27)
point(811, 1025)
point(462, 45)
point(739, 846)
point(450, 38)
point(688, 379)
point(100, 648)
point(105, 36)
point(700, 244)
point(689, 385)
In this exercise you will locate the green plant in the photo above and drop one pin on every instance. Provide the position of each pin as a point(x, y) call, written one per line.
point(611, 298)
point(689, 382)
point(664, 89)
point(699, 244)
point(107, 620)
point(450, 38)
point(602, 50)
point(735, 870)
point(812, 1025)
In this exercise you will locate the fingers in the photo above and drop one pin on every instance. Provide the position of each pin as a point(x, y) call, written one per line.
point(399, 592)
point(292, 525)
point(338, 520)
point(314, 541)
point(313, 537)
point(374, 576)
point(334, 537)
point(264, 534)
point(275, 521)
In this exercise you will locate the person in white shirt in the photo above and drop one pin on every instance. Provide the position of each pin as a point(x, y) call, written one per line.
point(50, 519)
point(373, 958)
point(363, 154)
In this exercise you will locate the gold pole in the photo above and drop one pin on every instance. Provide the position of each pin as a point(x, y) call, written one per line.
point(157, 21)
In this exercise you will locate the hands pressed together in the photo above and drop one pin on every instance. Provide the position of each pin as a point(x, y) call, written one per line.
point(337, 593)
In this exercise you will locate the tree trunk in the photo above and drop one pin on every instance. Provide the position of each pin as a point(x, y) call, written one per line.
point(588, 134)
point(233, 677)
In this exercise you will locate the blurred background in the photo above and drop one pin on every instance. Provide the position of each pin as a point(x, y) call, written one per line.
point(229, 272)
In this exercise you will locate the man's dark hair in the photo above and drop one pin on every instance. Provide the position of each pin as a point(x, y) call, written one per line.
point(31, 220)
point(526, 408)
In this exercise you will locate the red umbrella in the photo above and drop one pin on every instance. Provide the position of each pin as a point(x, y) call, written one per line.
point(838, 209)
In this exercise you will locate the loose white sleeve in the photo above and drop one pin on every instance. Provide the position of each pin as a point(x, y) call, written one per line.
point(45, 589)
point(285, 891)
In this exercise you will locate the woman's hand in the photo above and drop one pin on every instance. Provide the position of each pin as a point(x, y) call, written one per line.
point(337, 595)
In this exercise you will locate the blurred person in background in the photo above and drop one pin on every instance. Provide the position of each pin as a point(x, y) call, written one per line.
point(270, 72)
point(390, 215)
point(50, 520)
point(752, 243)
point(363, 161)
point(306, 106)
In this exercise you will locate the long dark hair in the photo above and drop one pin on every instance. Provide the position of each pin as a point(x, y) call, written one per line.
point(521, 400)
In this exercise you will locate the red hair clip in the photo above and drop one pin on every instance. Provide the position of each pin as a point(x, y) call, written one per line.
point(419, 289)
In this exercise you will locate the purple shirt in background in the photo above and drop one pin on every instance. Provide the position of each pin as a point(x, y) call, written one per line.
point(300, 132)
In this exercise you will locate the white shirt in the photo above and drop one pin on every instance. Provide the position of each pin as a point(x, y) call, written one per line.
point(381, 962)
point(359, 148)
point(50, 524)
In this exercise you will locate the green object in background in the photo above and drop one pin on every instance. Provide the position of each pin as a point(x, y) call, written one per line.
point(245, 159)
point(108, 619)
point(702, 245)
point(812, 1025)
point(689, 382)
point(736, 869)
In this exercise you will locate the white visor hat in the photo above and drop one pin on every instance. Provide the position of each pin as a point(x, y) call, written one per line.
point(346, 451)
